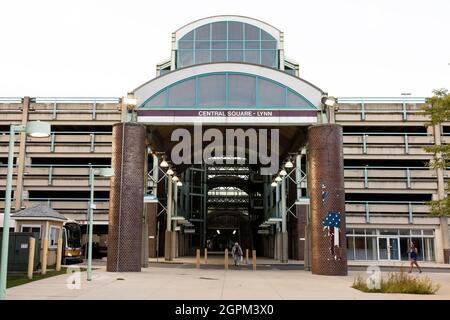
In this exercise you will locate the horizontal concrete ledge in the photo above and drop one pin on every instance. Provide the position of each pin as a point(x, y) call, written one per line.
point(431, 265)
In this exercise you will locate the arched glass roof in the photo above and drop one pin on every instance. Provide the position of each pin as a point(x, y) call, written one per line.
point(227, 90)
point(227, 41)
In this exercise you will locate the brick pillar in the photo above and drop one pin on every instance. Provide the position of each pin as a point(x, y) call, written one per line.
point(326, 177)
point(126, 200)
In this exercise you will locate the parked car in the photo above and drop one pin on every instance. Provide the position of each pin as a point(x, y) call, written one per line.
point(98, 251)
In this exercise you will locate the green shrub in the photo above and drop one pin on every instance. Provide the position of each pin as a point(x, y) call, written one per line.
point(400, 282)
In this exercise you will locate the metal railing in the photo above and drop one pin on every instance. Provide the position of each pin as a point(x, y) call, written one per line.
point(387, 134)
point(367, 204)
point(92, 141)
point(75, 99)
point(69, 132)
point(363, 101)
point(407, 171)
point(51, 167)
point(406, 138)
point(67, 165)
point(50, 201)
point(88, 100)
point(57, 100)
point(10, 100)
point(404, 99)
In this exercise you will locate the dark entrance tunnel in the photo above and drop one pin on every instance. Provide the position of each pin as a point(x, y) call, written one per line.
point(239, 203)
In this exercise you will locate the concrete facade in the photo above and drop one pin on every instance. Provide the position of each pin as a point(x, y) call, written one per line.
point(61, 163)
point(387, 183)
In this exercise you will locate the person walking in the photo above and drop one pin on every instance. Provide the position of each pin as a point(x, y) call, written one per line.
point(236, 252)
point(413, 253)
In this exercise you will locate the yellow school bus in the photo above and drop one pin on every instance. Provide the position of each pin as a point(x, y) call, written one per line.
point(71, 243)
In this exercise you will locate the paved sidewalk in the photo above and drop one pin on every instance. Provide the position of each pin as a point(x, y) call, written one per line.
point(184, 282)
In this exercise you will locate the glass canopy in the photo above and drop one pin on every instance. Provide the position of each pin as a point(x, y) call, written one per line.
point(227, 41)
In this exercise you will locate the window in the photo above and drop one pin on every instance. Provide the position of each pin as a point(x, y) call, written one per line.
point(211, 91)
point(235, 30)
point(350, 248)
point(54, 236)
point(241, 90)
point(244, 91)
point(219, 30)
point(186, 45)
point(270, 93)
point(269, 58)
point(158, 101)
point(252, 56)
point(227, 41)
point(203, 32)
point(202, 56)
point(218, 55)
point(251, 32)
point(365, 244)
point(236, 55)
point(360, 248)
point(182, 94)
point(290, 71)
point(185, 58)
point(294, 100)
point(32, 228)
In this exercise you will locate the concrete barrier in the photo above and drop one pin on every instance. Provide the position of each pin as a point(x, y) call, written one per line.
point(226, 259)
point(197, 258)
point(59, 255)
point(44, 257)
point(31, 257)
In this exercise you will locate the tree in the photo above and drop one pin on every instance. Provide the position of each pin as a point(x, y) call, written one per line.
point(438, 110)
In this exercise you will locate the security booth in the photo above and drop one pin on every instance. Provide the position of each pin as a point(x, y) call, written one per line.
point(46, 223)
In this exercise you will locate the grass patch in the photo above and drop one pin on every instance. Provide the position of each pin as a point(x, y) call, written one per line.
point(18, 279)
point(400, 282)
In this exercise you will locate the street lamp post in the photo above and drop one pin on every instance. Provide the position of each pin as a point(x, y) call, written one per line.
point(103, 172)
point(34, 129)
point(284, 237)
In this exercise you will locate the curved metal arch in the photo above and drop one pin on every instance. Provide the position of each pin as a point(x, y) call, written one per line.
point(229, 181)
point(226, 213)
point(228, 73)
point(274, 32)
point(303, 88)
point(243, 192)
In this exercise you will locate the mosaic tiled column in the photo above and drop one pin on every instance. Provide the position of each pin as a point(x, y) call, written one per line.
point(126, 198)
point(326, 185)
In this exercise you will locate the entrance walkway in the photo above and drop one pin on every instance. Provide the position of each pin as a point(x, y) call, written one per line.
point(182, 281)
point(217, 259)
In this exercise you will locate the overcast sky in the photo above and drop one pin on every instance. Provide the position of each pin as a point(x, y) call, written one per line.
point(107, 48)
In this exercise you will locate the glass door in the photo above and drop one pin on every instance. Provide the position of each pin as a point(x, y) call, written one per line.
point(394, 249)
point(388, 248)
